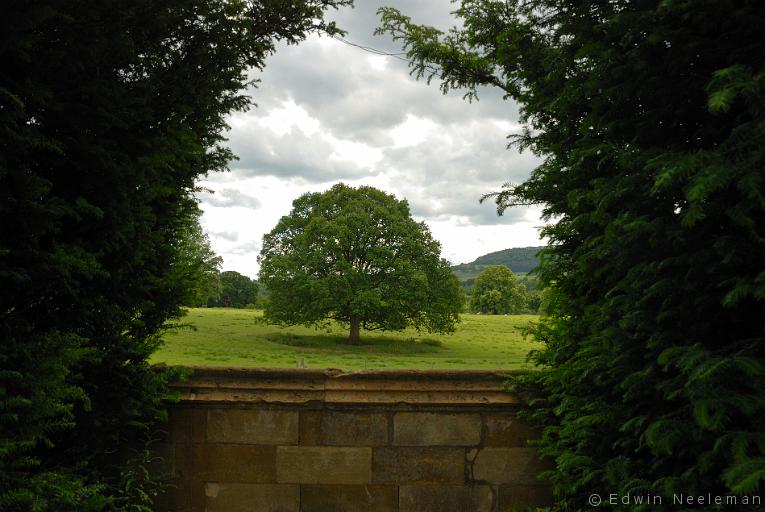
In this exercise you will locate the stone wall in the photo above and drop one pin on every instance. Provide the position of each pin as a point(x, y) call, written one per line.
point(306, 440)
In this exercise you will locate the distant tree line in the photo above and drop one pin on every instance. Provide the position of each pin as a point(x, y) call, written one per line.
point(234, 290)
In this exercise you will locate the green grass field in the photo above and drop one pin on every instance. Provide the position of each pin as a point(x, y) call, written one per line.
point(234, 337)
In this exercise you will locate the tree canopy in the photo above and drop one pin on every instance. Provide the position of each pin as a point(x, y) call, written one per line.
point(197, 263)
point(355, 255)
point(496, 291)
point(650, 117)
point(109, 112)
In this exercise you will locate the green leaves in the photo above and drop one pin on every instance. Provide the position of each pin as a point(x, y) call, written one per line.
point(496, 291)
point(730, 83)
point(746, 478)
point(450, 57)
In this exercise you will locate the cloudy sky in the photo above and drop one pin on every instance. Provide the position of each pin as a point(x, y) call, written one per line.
point(330, 112)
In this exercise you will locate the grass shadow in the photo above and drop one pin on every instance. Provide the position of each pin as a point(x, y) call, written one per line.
point(369, 344)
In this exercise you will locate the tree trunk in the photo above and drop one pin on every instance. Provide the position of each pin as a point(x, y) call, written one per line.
point(354, 338)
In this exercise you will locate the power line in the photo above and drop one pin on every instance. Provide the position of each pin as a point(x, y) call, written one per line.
point(375, 51)
point(420, 67)
point(368, 48)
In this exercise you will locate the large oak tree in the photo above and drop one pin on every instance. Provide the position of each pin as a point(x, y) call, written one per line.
point(355, 255)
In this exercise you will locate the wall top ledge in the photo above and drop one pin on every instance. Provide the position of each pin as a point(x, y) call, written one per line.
point(337, 387)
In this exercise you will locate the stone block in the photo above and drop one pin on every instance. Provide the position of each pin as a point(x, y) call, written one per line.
point(418, 465)
point(234, 463)
point(442, 498)
point(323, 465)
point(187, 425)
point(310, 428)
point(225, 497)
point(349, 498)
point(507, 431)
point(507, 465)
point(183, 460)
point(436, 429)
point(336, 428)
point(252, 426)
point(519, 498)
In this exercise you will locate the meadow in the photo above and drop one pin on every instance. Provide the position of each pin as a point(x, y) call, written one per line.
point(239, 338)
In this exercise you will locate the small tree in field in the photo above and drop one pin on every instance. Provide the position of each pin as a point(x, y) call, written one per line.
point(496, 291)
point(355, 255)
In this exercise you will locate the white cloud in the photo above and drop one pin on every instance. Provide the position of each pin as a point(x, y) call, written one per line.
point(378, 62)
point(329, 112)
point(357, 153)
point(283, 120)
point(412, 131)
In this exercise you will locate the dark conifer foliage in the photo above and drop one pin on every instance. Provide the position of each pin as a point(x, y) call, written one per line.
point(109, 111)
point(651, 118)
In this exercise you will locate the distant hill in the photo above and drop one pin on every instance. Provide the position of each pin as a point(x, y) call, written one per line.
point(519, 259)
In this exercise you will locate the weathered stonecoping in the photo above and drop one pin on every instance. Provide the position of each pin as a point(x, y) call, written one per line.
point(304, 440)
point(449, 388)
